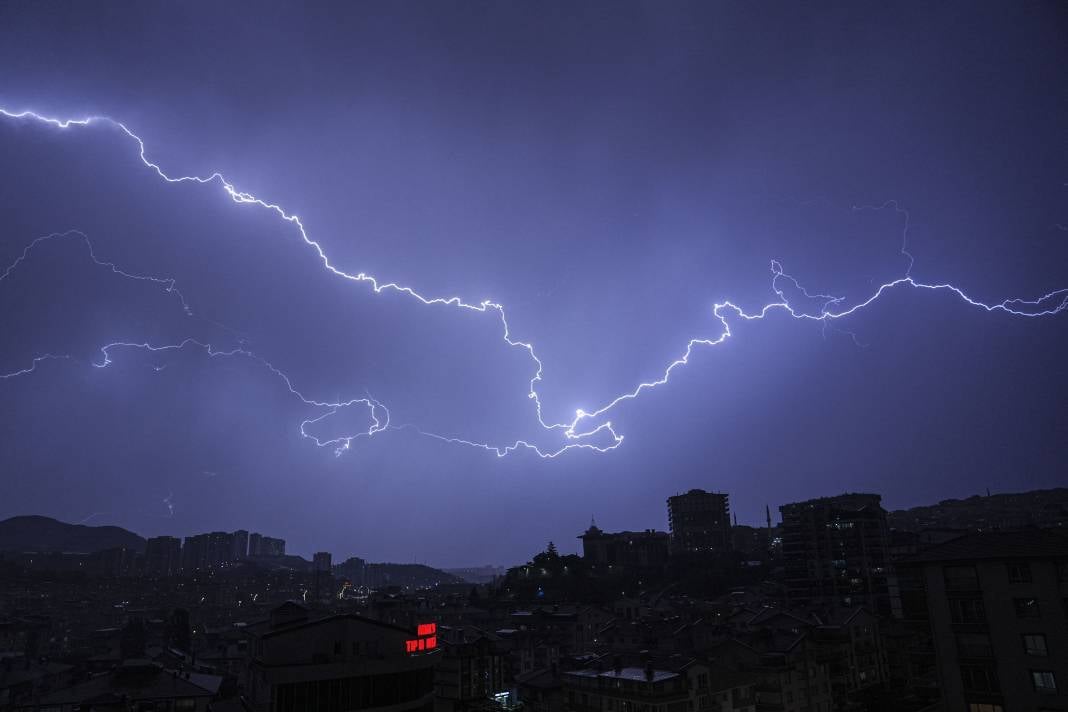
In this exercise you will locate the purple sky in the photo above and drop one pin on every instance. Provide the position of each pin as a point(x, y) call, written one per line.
point(607, 172)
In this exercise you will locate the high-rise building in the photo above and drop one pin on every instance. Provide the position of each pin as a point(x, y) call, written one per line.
point(255, 544)
point(195, 553)
point(239, 545)
point(163, 555)
point(269, 546)
point(837, 553)
point(260, 545)
point(202, 552)
point(700, 522)
point(993, 607)
point(220, 545)
point(321, 561)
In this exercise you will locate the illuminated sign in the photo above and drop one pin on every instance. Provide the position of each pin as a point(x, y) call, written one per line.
point(427, 640)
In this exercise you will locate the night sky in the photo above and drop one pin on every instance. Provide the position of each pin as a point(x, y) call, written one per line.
point(606, 171)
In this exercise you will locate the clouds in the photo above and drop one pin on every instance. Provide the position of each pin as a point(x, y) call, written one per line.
point(607, 177)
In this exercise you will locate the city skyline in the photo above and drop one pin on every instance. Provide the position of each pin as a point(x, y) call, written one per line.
point(619, 182)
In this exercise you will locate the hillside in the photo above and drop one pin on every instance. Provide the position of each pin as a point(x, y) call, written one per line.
point(362, 573)
point(35, 533)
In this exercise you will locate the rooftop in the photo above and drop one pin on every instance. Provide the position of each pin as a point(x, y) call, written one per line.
point(1019, 544)
point(628, 673)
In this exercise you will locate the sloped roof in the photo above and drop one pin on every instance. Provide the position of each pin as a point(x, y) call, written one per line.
point(331, 619)
point(162, 685)
point(1032, 543)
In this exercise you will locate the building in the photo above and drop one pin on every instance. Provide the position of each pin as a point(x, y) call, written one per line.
point(321, 561)
point(995, 606)
point(807, 661)
point(204, 552)
point(470, 673)
point(219, 548)
point(255, 544)
point(700, 522)
point(194, 553)
point(678, 686)
point(260, 545)
point(239, 545)
point(163, 556)
point(339, 662)
point(635, 550)
point(133, 685)
point(269, 546)
point(836, 552)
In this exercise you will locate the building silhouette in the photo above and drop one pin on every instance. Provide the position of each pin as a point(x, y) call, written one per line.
point(700, 522)
point(255, 544)
point(637, 550)
point(239, 545)
point(260, 545)
point(836, 552)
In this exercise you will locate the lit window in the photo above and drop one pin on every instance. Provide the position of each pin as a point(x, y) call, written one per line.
point(984, 707)
point(1026, 607)
point(1044, 680)
point(1035, 644)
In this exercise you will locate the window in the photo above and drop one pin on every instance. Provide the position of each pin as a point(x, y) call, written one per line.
point(979, 678)
point(1035, 644)
point(1044, 680)
point(967, 610)
point(974, 645)
point(1019, 573)
point(984, 707)
point(961, 578)
point(1026, 607)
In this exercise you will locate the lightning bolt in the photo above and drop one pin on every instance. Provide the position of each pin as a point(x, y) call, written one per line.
point(586, 425)
point(91, 517)
point(167, 282)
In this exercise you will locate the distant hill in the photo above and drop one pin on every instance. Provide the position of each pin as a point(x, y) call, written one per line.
point(407, 576)
point(1039, 508)
point(479, 574)
point(34, 533)
point(362, 573)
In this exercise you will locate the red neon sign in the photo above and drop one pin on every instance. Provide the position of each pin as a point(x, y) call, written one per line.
point(427, 640)
point(421, 644)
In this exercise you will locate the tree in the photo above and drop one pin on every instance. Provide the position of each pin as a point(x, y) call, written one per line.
point(551, 551)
